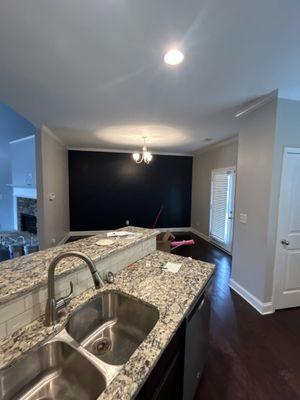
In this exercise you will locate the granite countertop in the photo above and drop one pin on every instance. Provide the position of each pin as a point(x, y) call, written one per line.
point(173, 296)
point(23, 274)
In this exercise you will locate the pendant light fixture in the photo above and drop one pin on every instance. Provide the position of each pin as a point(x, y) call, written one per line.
point(145, 156)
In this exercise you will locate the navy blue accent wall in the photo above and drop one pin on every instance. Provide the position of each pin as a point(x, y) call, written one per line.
point(106, 189)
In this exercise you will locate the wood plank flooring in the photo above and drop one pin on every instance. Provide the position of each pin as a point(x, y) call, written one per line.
point(251, 357)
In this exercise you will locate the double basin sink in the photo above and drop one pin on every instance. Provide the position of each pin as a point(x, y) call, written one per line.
point(82, 359)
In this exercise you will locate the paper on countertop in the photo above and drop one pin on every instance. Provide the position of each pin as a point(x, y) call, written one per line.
point(119, 233)
point(105, 242)
point(172, 267)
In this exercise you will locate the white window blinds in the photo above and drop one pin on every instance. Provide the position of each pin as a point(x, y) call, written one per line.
point(219, 205)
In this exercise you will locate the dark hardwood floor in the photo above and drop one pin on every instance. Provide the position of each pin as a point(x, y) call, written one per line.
point(251, 356)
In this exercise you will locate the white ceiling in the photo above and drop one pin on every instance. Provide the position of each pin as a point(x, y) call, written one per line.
point(93, 69)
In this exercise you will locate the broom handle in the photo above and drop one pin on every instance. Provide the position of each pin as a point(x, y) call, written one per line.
point(158, 215)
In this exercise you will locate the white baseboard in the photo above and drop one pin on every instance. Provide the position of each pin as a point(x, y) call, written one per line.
point(64, 239)
point(200, 234)
point(262, 308)
point(207, 238)
point(184, 229)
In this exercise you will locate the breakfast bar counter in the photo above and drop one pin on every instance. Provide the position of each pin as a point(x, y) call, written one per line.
point(172, 294)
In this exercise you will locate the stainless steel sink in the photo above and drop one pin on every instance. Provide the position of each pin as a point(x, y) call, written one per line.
point(53, 371)
point(112, 326)
point(82, 359)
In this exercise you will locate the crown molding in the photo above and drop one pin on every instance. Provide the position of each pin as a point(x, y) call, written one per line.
point(126, 151)
point(52, 134)
point(257, 103)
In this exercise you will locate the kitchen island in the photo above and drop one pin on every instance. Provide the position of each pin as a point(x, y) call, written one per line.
point(172, 294)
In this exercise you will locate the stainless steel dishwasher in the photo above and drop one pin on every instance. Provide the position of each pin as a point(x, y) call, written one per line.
point(196, 344)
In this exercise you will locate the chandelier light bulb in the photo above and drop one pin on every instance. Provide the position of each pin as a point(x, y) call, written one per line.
point(148, 157)
point(136, 156)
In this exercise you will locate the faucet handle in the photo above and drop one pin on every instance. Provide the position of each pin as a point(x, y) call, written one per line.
point(64, 301)
point(110, 278)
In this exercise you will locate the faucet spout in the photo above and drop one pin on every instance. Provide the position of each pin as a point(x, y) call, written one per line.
point(52, 306)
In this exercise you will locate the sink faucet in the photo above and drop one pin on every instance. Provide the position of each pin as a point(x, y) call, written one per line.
point(53, 305)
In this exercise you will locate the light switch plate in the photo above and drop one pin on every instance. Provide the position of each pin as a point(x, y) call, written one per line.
point(51, 196)
point(243, 218)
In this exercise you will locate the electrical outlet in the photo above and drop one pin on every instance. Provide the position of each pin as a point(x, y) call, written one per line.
point(127, 221)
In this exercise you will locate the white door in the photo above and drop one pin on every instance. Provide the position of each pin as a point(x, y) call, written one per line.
point(287, 261)
point(222, 207)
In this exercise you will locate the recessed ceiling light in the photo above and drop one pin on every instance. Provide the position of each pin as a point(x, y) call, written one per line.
point(173, 57)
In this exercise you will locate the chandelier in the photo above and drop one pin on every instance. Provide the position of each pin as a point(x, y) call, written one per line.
point(146, 156)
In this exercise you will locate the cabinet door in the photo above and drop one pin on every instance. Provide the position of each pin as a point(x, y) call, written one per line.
point(165, 381)
point(196, 346)
point(171, 388)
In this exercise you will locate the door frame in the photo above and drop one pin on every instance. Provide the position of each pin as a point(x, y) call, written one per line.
point(278, 246)
point(211, 239)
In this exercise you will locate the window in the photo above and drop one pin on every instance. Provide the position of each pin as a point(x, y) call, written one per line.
point(221, 207)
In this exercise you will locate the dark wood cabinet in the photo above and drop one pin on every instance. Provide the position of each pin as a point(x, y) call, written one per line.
point(170, 387)
point(165, 380)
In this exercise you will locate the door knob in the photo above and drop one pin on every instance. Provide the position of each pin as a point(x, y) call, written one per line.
point(285, 242)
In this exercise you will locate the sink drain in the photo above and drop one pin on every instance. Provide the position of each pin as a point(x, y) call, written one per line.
point(101, 346)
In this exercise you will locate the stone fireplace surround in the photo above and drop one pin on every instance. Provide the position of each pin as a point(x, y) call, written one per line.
point(24, 203)
point(25, 206)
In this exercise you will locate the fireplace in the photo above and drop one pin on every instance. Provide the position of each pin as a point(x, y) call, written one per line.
point(26, 215)
point(28, 223)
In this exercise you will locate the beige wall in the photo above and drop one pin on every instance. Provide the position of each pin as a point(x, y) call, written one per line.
point(263, 136)
point(253, 197)
point(223, 156)
point(52, 177)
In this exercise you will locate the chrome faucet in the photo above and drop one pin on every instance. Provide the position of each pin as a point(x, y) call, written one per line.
point(53, 305)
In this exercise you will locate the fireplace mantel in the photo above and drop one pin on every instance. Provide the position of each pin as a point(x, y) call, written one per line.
point(26, 192)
